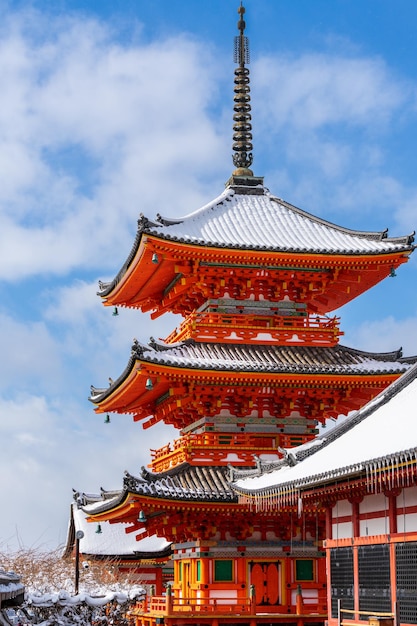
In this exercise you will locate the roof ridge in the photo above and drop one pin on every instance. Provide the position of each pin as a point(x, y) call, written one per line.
point(374, 235)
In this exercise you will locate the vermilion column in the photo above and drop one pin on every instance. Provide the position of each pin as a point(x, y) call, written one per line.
point(329, 521)
point(392, 510)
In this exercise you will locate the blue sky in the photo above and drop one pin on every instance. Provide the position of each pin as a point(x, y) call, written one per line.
point(113, 108)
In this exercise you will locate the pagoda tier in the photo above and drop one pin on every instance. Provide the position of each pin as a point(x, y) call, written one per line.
point(232, 440)
point(230, 561)
point(251, 246)
point(180, 384)
point(164, 504)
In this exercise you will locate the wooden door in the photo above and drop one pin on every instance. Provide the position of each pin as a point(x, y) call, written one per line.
point(185, 582)
point(264, 575)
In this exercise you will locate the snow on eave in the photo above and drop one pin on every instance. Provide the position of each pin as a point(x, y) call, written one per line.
point(352, 447)
point(210, 205)
point(112, 540)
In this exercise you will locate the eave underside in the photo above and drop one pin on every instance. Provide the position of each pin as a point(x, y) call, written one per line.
point(179, 277)
point(315, 382)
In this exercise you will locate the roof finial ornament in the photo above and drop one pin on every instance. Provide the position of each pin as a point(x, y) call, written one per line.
point(242, 127)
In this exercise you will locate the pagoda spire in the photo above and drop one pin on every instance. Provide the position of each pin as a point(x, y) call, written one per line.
point(242, 127)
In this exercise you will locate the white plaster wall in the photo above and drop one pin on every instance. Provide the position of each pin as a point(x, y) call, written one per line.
point(407, 497)
point(379, 526)
point(223, 596)
point(372, 503)
point(310, 596)
point(342, 508)
point(271, 536)
point(342, 531)
point(407, 525)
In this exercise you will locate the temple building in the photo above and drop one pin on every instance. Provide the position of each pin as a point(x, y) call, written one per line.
point(146, 562)
point(250, 373)
point(367, 485)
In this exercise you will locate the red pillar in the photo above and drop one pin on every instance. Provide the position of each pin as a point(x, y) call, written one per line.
point(355, 519)
point(355, 580)
point(329, 521)
point(392, 511)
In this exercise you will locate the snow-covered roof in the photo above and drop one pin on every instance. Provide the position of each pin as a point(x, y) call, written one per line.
point(184, 482)
point(11, 588)
point(252, 218)
point(382, 429)
point(112, 540)
point(267, 358)
point(262, 358)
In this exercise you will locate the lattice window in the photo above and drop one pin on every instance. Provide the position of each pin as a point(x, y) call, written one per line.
point(341, 575)
point(374, 578)
point(304, 569)
point(406, 558)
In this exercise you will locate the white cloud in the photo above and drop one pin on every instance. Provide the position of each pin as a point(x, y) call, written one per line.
point(388, 334)
point(316, 90)
point(44, 459)
point(30, 356)
point(91, 132)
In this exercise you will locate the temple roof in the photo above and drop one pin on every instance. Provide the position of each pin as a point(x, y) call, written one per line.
point(112, 539)
point(251, 218)
point(337, 360)
point(255, 219)
point(372, 440)
point(185, 482)
point(11, 588)
point(349, 448)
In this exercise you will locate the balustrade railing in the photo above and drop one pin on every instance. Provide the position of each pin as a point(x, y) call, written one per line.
point(250, 327)
point(169, 605)
point(214, 444)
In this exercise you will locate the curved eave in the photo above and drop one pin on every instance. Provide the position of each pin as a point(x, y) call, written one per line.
point(157, 263)
point(131, 393)
point(127, 511)
point(292, 489)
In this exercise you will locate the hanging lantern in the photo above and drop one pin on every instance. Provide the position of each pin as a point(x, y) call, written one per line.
point(149, 384)
point(98, 529)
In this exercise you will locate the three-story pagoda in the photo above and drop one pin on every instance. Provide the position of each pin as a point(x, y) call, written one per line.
point(252, 370)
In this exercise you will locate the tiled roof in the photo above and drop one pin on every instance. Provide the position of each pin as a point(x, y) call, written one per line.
point(11, 588)
point(112, 539)
point(265, 359)
point(185, 482)
point(251, 218)
point(353, 447)
point(258, 220)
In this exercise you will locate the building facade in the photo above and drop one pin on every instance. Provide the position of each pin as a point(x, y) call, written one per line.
point(365, 476)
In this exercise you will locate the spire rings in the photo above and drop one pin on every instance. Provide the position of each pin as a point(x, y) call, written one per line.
point(242, 136)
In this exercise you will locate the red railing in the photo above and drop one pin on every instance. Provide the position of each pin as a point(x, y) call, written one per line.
point(231, 328)
point(214, 445)
point(167, 605)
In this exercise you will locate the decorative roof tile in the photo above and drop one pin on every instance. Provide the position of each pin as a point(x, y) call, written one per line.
point(184, 482)
point(263, 359)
